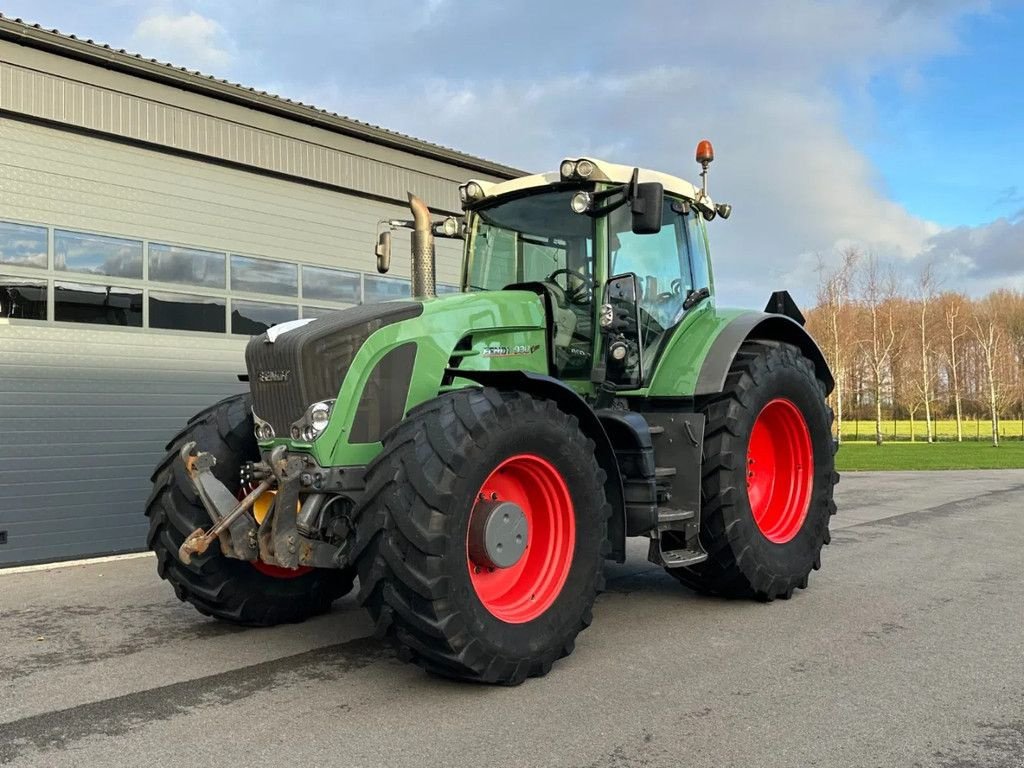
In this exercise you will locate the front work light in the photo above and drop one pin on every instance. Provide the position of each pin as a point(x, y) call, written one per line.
point(581, 202)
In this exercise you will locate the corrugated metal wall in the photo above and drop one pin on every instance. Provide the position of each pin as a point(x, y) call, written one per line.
point(96, 108)
point(85, 410)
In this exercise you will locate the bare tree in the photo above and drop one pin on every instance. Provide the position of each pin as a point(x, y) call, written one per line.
point(989, 335)
point(953, 305)
point(926, 290)
point(834, 286)
point(877, 294)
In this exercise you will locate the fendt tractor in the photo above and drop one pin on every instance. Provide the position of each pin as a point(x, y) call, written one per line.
point(473, 459)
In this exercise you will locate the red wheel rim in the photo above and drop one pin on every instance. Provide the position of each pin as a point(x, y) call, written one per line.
point(780, 470)
point(274, 571)
point(277, 572)
point(525, 590)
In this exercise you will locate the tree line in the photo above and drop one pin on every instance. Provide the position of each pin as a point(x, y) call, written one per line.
point(909, 349)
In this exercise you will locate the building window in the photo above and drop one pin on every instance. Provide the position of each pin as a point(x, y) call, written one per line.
point(264, 276)
point(330, 285)
point(181, 312)
point(443, 288)
point(22, 245)
point(377, 288)
point(188, 266)
point(103, 305)
point(253, 317)
point(22, 299)
point(97, 254)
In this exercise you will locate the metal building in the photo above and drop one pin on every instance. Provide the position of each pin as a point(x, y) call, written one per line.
point(151, 219)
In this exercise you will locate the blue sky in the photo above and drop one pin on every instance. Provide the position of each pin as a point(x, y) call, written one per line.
point(950, 143)
point(894, 126)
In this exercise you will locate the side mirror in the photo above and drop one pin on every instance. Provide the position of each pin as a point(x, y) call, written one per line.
point(383, 251)
point(647, 206)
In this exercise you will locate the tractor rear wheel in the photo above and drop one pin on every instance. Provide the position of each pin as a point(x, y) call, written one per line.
point(482, 535)
point(767, 477)
point(253, 594)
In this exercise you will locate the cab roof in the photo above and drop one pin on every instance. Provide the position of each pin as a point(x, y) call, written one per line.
point(604, 171)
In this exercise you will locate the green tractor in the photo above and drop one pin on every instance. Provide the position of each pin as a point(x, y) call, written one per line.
point(474, 459)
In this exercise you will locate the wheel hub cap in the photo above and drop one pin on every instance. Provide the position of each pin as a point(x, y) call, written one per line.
point(497, 534)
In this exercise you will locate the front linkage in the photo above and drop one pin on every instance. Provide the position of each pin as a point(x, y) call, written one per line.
point(308, 537)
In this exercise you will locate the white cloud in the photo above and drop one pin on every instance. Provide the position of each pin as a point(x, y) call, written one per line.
point(778, 86)
point(190, 40)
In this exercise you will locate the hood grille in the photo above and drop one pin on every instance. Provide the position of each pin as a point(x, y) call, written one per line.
point(308, 364)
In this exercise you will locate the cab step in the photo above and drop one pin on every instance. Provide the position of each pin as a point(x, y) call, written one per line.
point(674, 558)
point(680, 558)
point(666, 516)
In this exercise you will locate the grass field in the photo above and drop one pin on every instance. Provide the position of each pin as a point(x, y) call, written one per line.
point(892, 456)
point(945, 429)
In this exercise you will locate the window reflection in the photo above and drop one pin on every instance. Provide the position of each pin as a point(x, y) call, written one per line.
point(97, 254)
point(264, 276)
point(443, 288)
point(104, 305)
point(308, 311)
point(189, 266)
point(22, 245)
point(377, 288)
point(181, 312)
point(253, 317)
point(22, 299)
point(330, 284)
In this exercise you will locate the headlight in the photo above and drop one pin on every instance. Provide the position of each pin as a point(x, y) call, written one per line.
point(567, 169)
point(313, 422)
point(584, 168)
point(262, 429)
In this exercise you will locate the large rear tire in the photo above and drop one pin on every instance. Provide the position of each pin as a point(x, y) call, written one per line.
point(767, 477)
point(422, 576)
point(252, 594)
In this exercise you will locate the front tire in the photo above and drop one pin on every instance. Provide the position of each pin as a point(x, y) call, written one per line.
point(252, 594)
point(423, 578)
point(767, 477)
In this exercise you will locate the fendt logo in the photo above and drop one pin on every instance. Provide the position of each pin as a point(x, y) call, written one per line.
point(269, 377)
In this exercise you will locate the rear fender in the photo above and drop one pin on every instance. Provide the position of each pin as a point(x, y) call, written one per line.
point(568, 400)
point(757, 326)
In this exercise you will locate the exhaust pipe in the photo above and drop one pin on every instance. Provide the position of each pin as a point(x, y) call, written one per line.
point(424, 274)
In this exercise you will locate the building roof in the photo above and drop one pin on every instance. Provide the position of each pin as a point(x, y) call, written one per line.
point(102, 55)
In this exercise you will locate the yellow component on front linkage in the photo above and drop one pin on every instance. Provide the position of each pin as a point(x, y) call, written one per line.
point(262, 505)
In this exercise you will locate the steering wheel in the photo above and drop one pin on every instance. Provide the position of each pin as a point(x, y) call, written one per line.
point(580, 295)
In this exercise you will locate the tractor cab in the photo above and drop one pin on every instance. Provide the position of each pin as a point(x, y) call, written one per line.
point(619, 254)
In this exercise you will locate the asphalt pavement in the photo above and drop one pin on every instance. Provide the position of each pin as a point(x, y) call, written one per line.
point(907, 650)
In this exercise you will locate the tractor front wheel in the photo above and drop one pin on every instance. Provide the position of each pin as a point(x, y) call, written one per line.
point(482, 535)
point(767, 477)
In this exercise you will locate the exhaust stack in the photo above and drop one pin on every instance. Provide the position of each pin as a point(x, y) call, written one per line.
point(424, 274)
